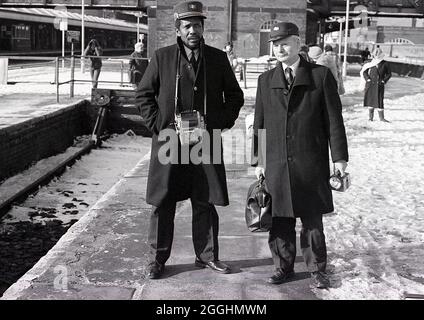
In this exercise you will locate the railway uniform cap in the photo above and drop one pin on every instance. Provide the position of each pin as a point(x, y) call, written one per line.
point(283, 30)
point(188, 9)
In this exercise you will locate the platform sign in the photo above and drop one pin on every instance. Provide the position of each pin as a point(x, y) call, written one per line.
point(73, 36)
point(63, 25)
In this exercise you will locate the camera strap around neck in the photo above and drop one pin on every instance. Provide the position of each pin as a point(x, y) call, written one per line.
point(178, 77)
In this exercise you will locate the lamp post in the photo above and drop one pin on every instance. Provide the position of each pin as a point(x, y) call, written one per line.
point(340, 21)
point(345, 40)
point(82, 35)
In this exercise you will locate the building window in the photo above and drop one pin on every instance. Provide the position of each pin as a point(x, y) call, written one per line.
point(265, 47)
point(399, 41)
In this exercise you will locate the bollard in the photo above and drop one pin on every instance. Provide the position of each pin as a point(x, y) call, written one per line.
point(71, 88)
point(57, 79)
point(122, 73)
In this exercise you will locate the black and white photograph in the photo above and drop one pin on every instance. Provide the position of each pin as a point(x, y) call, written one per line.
point(214, 157)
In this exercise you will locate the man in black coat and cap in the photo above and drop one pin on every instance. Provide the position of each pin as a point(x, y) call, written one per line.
point(187, 78)
point(298, 110)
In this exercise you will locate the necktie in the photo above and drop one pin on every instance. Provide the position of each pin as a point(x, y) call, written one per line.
point(289, 76)
point(193, 61)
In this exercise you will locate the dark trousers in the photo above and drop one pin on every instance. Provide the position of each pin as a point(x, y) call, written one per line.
point(205, 223)
point(282, 243)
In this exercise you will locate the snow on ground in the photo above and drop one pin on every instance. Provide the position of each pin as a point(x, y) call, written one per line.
point(71, 195)
point(375, 237)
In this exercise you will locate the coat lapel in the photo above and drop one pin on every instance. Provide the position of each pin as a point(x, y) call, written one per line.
point(279, 86)
point(302, 78)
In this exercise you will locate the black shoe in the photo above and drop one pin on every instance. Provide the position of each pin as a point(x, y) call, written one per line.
point(156, 270)
point(215, 265)
point(280, 277)
point(320, 280)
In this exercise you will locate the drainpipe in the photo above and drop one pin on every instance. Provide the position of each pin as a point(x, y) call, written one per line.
point(230, 19)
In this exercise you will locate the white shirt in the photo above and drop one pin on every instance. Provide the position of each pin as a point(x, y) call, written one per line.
point(293, 67)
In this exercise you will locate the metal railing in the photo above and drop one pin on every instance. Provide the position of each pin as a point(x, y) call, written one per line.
point(59, 63)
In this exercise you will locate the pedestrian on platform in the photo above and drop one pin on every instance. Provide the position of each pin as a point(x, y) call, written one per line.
point(330, 60)
point(365, 55)
point(93, 49)
point(138, 64)
point(298, 108)
point(375, 73)
point(314, 53)
point(231, 55)
point(185, 78)
point(304, 52)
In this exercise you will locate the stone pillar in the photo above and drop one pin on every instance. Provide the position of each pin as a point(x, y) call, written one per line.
point(152, 30)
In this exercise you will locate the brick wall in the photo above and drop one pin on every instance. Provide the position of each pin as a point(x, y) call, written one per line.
point(387, 33)
point(247, 18)
point(27, 142)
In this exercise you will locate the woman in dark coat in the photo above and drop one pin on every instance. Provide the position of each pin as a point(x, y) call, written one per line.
point(376, 74)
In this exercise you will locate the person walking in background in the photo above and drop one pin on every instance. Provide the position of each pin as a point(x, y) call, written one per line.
point(304, 53)
point(330, 60)
point(232, 58)
point(185, 78)
point(93, 49)
point(298, 107)
point(365, 55)
point(376, 74)
point(314, 53)
point(138, 64)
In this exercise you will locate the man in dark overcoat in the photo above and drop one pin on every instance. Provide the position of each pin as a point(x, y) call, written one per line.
point(298, 114)
point(207, 84)
point(376, 74)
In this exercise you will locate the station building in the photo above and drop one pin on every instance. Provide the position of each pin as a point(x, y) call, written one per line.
point(246, 23)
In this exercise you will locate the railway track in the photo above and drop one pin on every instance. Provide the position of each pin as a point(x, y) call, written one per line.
point(34, 219)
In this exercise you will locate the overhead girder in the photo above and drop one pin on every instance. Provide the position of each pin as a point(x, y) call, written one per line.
point(136, 5)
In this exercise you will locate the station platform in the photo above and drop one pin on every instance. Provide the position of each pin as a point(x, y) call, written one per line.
point(104, 254)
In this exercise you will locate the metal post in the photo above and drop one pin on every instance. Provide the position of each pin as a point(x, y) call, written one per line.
point(71, 89)
point(63, 48)
point(340, 36)
point(345, 40)
point(122, 73)
point(57, 79)
point(82, 35)
point(138, 28)
point(244, 75)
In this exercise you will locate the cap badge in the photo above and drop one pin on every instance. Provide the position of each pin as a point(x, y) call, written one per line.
point(193, 7)
point(276, 28)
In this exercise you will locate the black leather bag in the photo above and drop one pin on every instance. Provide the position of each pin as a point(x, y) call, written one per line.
point(258, 212)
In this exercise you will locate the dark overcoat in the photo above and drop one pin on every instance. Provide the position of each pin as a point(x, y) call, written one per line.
point(374, 89)
point(155, 99)
point(300, 125)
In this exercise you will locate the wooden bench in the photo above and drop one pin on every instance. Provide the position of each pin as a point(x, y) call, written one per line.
point(114, 111)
